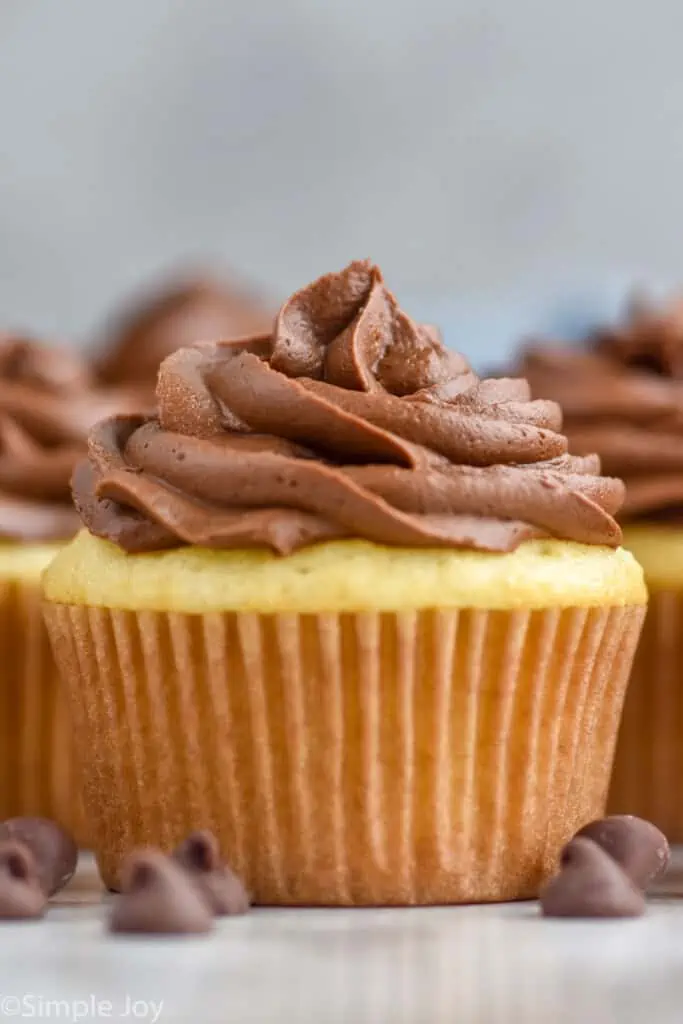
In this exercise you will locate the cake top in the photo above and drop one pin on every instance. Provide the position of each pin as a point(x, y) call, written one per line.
point(48, 403)
point(622, 396)
point(179, 315)
point(349, 419)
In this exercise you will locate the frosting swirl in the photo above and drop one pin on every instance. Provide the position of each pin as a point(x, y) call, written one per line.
point(182, 314)
point(622, 396)
point(349, 420)
point(47, 406)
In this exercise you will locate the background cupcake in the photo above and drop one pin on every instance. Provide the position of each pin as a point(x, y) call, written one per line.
point(622, 396)
point(47, 405)
point(349, 606)
point(176, 315)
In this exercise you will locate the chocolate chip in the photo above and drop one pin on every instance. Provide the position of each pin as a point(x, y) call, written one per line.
point(22, 896)
point(590, 884)
point(53, 849)
point(220, 887)
point(158, 898)
point(636, 845)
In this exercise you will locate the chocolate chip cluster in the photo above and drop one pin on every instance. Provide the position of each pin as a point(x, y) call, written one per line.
point(180, 894)
point(606, 868)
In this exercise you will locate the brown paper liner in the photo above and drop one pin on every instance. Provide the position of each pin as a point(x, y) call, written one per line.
point(37, 767)
point(648, 767)
point(354, 759)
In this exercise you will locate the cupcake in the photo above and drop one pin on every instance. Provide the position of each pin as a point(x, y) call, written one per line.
point(47, 406)
point(622, 396)
point(175, 316)
point(349, 607)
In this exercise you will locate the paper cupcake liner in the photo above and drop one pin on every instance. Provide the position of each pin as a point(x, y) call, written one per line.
point(37, 775)
point(349, 759)
point(648, 767)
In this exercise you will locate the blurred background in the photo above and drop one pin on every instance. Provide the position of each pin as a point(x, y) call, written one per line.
point(513, 166)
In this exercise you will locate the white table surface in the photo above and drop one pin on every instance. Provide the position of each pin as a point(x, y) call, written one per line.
point(478, 965)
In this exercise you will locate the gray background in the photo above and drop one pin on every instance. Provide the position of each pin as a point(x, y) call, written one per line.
point(513, 164)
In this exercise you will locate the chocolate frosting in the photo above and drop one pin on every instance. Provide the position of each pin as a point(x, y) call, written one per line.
point(349, 420)
point(47, 406)
point(622, 396)
point(180, 315)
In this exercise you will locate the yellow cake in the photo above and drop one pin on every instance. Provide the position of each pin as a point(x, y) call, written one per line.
point(319, 609)
point(342, 576)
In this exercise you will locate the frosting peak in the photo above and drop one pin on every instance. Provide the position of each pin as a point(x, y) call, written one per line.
point(349, 420)
point(346, 328)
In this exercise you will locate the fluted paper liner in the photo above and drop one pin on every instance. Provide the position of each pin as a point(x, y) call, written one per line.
point(37, 774)
point(372, 758)
point(648, 767)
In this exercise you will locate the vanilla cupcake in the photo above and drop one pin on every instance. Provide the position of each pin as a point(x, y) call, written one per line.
point(622, 396)
point(47, 405)
point(350, 607)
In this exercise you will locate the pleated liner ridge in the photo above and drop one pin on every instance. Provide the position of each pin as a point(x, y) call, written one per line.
point(648, 767)
point(349, 759)
point(37, 774)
